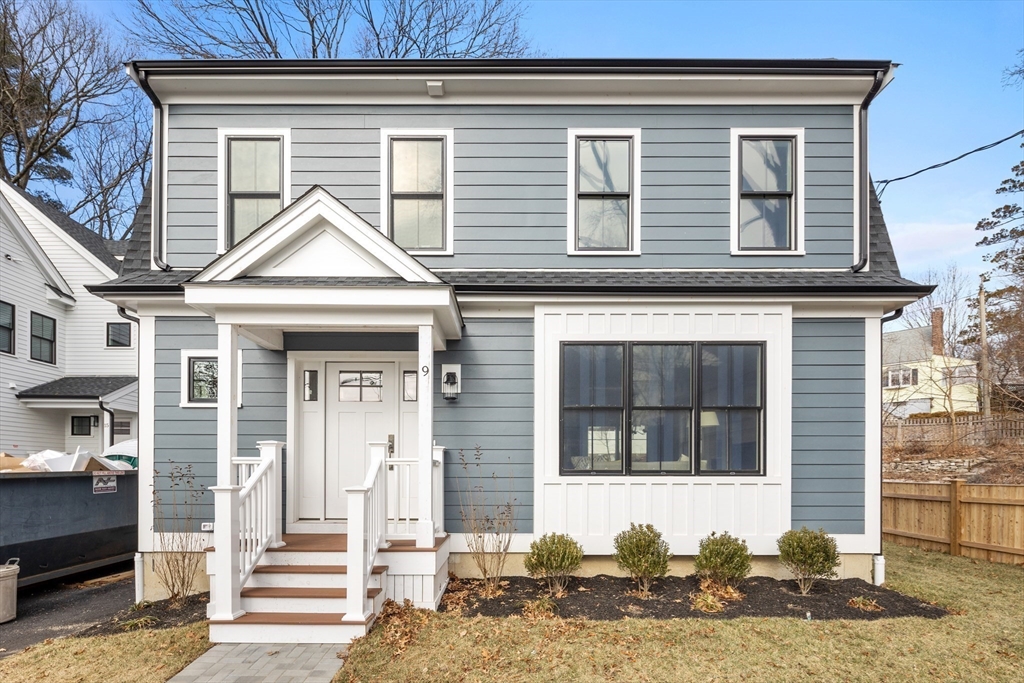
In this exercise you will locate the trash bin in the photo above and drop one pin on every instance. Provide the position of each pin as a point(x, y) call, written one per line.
point(9, 590)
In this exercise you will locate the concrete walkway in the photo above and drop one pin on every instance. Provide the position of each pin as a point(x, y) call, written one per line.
point(264, 663)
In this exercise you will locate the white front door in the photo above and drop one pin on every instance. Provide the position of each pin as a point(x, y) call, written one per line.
point(362, 406)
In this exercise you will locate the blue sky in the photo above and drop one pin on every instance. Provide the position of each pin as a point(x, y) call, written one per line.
point(947, 98)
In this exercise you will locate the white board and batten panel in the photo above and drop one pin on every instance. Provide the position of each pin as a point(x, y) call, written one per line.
point(593, 509)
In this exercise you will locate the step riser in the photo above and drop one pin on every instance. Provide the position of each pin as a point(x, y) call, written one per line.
point(318, 558)
point(275, 580)
point(286, 633)
point(306, 605)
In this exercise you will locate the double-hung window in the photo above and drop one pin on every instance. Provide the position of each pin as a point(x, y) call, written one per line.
point(417, 192)
point(254, 183)
point(604, 202)
point(662, 408)
point(767, 210)
point(43, 339)
point(6, 327)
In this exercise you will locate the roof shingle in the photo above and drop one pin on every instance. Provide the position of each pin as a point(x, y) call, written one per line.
point(79, 387)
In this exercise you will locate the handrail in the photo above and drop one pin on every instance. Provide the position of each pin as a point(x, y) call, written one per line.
point(255, 533)
point(367, 524)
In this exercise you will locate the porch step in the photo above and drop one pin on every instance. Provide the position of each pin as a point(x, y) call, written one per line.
point(301, 599)
point(288, 627)
point(309, 576)
point(310, 569)
point(302, 592)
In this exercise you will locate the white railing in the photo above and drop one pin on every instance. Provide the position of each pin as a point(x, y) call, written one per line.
point(367, 527)
point(403, 498)
point(247, 521)
point(437, 499)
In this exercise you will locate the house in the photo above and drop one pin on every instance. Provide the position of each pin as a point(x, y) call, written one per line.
point(646, 290)
point(67, 359)
point(919, 375)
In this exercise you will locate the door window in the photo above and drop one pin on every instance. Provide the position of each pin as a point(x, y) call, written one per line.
point(360, 386)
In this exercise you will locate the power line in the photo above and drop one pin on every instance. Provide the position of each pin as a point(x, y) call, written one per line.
point(882, 184)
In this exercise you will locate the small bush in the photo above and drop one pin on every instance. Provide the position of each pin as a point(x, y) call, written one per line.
point(724, 559)
point(810, 555)
point(706, 603)
point(553, 558)
point(541, 608)
point(641, 551)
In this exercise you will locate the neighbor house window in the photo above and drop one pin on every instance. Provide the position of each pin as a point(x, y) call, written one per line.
point(43, 339)
point(6, 327)
point(254, 183)
point(662, 408)
point(81, 425)
point(604, 175)
point(417, 193)
point(122, 427)
point(767, 202)
point(899, 377)
point(119, 335)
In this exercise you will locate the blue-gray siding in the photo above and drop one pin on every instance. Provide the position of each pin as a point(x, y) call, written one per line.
point(494, 412)
point(828, 424)
point(510, 177)
point(186, 437)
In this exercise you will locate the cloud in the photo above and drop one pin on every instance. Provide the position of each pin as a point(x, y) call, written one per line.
point(922, 245)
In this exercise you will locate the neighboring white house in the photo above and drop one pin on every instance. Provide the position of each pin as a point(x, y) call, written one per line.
point(68, 360)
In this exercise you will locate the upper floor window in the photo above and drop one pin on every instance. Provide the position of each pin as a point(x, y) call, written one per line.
point(604, 173)
point(6, 327)
point(253, 181)
point(416, 198)
point(119, 335)
point(43, 339)
point(767, 191)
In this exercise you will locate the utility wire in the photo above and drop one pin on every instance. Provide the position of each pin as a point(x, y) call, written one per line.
point(882, 184)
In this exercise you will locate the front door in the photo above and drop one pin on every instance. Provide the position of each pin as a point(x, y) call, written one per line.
point(362, 406)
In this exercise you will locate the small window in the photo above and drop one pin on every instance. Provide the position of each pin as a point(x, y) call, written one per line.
point(44, 339)
point(254, 177)
point(360, 386)
point(899, 377)
point(604, 194)
point(202, 380)
point(310, 385)
point(6, 327)
point(81, 425)
point(119, 335)
point(410, 385)
point(417, 193)
point(122, 427)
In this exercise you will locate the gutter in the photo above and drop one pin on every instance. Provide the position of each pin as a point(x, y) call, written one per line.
point(109, 412)
point(156, 201)
point(124, 314)
point(864, 178)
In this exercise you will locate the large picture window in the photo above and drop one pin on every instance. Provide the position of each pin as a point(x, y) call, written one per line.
point(662, 408)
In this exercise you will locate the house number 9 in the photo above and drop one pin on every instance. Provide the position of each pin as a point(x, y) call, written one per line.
point(426, 370)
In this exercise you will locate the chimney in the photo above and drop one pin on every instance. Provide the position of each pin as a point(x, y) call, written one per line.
point(938, 338)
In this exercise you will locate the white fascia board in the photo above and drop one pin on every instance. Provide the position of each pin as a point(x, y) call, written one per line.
point(316, 296)
point(118, 394)
point(29, 243)
point(803, 306)
point(315, 205)
point(61, 403)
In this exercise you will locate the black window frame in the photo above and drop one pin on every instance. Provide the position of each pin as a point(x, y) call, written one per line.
point(11, 330)
point(696, 407)
point(229, 196)
point(79, 419)
point(191, 379)
point(630, 227)
point(442, 195)
point(791, 195)
point(119, 346)
point(33, 336)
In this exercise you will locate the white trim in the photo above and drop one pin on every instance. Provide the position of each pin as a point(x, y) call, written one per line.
point(856, 187)
point(165, 146)
point(222, 193)
point(634, 186)
point(449, 183)
point(872, 537)
point(146, 429)
point(186, 354)
point(734, 190)
point(49, 271)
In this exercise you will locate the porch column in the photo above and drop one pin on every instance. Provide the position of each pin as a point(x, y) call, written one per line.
point(227, 402)
point(424, 449)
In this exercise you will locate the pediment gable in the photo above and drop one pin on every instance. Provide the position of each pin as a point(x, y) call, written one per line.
point(316, 236)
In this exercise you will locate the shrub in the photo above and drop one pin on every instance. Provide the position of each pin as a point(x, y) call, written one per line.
point(724, 559)
point(706, 603)
point(810, 555)
point(641, 551)
point(553, 558)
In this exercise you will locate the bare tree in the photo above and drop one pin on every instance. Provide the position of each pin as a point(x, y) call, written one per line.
point(953, 293)
point(241, 29)
point(441, 29)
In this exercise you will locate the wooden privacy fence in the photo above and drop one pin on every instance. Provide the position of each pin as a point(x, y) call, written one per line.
point(983, 521)
point(971, 430)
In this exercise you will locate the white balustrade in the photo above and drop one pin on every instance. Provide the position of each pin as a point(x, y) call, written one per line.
point(367, 527)
point(437, 500)
point(403, 506)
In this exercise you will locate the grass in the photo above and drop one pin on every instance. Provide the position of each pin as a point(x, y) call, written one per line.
point(136, 657)
point(983, 640)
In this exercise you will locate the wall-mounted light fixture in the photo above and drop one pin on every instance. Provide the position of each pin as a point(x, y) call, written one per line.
point(451, 382)
point(95, 420)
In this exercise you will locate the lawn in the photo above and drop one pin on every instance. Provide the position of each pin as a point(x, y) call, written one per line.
point(983, 640)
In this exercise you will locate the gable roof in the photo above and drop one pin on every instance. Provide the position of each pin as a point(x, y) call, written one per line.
point(53, 278)
point(907, 346)
point(88, 239)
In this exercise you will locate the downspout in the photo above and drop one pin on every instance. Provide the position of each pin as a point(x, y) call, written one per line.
point(157, 200)
point(109, 412)
point(864, 174)
point(124, 314)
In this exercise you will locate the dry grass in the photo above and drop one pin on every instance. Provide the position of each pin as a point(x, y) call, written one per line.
point(982, 641)
point(136, 657)
point(865, 604)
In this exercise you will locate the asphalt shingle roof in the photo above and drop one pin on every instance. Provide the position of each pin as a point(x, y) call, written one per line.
point(79, 387)
point(137, 258)
point(92, 242)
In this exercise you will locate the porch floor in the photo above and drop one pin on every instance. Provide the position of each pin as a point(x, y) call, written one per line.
point(333, 543)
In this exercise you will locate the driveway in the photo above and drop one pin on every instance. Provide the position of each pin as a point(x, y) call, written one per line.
point(65, 607)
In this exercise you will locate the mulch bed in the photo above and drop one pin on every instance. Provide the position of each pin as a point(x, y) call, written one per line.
point(151, 616)
point(609, 598)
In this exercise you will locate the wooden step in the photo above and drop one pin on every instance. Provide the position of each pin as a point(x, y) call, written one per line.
point(315, 593)
point(283, 618)
point(313, 543)
point(310, 569)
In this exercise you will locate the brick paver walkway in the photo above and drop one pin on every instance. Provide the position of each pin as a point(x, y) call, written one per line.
point(266, 663)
